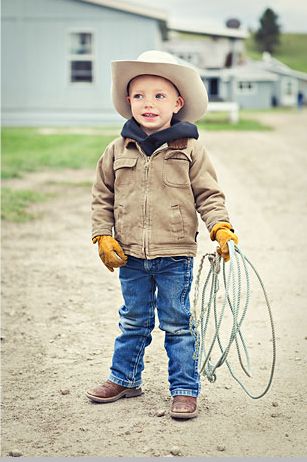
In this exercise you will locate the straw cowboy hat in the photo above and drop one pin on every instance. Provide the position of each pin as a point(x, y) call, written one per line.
point(185, 78)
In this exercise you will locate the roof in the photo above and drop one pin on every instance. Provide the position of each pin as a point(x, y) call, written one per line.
point(131, 7)
point(202, 28)
point(277, 67)
point(250, 71)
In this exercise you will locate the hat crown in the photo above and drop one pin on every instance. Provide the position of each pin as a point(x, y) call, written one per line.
point(155, 56)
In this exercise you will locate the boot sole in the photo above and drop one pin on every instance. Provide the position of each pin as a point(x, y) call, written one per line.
point(184, 415)
point(124, 394)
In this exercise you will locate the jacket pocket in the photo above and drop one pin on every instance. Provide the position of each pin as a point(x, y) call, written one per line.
point(176, 170)
point(124, 169)
point(177, 222)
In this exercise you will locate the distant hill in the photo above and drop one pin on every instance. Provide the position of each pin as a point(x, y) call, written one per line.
point(292, 50)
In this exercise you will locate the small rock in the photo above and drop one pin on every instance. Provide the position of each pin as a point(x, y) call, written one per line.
point(64, 391)
point(127, 432)
point(275, 404)
point(274, 414)
point(175, 451)
point(227, 387)
point(221, 448)
point(2, 338)
point(286, 435)
point(160, 413)
point(82, 429)
point(298, 359)
point(15, 453)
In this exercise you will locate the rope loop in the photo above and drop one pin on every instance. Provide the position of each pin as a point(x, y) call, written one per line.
point(233, 283)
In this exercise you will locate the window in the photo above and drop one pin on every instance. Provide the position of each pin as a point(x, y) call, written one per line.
point(81, 58)
point(289, 88)
point(245, 87)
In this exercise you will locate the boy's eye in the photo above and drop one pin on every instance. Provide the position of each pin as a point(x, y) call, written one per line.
point(160, 96)
point(137, 96)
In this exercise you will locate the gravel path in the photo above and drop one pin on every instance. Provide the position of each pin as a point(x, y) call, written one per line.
point(59, 319)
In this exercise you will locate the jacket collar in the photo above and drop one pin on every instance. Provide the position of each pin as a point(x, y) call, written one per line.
point(181, 143)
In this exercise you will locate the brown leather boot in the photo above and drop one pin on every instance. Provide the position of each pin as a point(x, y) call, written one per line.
point(110, 391)
point(184, 407)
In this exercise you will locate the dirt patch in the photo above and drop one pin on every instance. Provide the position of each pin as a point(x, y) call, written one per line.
point(59, 319)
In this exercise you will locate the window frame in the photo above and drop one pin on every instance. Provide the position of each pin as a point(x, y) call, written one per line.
point(80, 57)
point(245, 90)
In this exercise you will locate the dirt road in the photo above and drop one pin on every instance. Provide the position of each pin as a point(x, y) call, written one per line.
point(59, 319)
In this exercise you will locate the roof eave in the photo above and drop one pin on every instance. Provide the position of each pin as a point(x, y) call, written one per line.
point(140, 10)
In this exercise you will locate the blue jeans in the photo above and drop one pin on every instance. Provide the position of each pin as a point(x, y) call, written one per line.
point(164, 283)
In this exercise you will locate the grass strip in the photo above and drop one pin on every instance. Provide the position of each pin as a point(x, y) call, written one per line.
point(14, 204)
point(26, 150)
point(219, 122)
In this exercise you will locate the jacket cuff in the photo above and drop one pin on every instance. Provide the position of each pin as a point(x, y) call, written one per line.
point(103, 232)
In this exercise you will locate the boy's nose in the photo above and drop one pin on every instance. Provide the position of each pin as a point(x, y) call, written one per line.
point(148, 102)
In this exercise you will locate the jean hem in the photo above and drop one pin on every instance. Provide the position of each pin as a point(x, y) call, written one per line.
point(125, 383)
point(181, 392)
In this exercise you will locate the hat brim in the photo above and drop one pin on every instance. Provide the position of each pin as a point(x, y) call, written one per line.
point(186, 79)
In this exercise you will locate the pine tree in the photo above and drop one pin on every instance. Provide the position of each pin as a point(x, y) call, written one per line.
point(267, 36)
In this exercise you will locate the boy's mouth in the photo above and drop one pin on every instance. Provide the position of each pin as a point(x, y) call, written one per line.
point(149, 115)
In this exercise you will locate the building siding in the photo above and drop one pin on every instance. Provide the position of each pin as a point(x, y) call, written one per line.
point(259, 98)
point(35, 66)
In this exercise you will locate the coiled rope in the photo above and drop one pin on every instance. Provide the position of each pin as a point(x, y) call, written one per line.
point(232, 300)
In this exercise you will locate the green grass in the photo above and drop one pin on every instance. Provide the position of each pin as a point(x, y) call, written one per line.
point(26, 150)
point(14, 204)
point(291, 51)
point(220, 121)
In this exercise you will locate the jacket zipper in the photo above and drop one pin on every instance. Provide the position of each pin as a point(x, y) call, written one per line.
point(146, 221)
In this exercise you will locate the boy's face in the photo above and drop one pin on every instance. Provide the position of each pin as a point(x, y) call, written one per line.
point(153, 102)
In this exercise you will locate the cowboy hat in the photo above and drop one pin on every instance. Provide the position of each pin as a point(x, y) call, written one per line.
point(185, 78)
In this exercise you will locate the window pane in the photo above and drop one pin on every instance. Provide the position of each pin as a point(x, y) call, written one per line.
point(81, 71)
point(80, 43)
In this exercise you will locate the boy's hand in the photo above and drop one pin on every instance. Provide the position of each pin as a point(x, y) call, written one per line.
point(110, 252)
point(222, 232)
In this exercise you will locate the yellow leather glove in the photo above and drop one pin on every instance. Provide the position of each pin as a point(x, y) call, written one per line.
point(110, 252)
point(222, 232)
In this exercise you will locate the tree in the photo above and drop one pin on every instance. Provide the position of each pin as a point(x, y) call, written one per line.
point(267, 36)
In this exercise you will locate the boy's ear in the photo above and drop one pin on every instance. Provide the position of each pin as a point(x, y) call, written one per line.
point(128, 99)
point(179, 104)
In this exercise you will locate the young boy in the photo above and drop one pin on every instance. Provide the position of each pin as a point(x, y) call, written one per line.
point(150, 183)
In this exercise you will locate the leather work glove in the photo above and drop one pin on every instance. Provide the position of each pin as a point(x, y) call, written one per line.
point(222, 232)
point(110, 252)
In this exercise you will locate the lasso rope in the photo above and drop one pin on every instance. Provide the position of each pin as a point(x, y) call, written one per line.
point(233, 290)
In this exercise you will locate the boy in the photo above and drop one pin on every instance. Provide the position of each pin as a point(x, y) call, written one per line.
point(150, 183)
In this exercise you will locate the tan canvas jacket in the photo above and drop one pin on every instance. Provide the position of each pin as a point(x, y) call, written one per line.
point(149, 203)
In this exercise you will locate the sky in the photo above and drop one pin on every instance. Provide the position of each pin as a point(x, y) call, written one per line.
point(292, 13)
